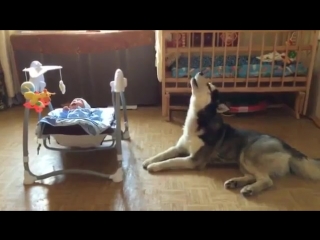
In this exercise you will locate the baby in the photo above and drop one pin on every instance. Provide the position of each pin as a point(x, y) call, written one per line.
point(78, 108)
point(77, 103)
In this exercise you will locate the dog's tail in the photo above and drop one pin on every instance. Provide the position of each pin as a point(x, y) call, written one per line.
point(305, 167)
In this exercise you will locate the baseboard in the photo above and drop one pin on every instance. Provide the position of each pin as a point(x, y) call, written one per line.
point(131, 107)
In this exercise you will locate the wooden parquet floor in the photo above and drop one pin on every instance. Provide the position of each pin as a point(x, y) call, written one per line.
point(174, 190)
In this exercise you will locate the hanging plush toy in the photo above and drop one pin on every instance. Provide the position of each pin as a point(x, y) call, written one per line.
point(62, 87)
point(61, 84)
point(36, 71)
point(35, 100)
point(291, 55)
point(34, 89)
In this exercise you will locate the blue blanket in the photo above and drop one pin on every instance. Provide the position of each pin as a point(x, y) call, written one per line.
point(90, 120)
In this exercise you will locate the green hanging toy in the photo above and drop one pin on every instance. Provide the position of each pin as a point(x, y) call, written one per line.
point(291, 54)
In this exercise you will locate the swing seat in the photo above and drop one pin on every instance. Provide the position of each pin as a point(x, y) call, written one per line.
point(108, 117)
point(75, 135)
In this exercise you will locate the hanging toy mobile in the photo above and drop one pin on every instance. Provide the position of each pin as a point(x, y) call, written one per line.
point(34, 91)
point(291, 56)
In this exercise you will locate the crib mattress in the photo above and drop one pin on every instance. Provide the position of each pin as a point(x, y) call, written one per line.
point(108, 119)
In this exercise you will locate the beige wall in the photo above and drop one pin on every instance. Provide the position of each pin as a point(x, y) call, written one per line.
point(314, 100)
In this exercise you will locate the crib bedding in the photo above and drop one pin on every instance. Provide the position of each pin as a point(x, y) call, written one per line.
point(230, 70)
point(107, 116)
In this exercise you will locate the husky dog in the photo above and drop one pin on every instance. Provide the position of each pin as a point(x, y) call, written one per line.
point(207, 140)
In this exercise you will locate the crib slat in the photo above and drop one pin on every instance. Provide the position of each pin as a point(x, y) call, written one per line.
point(261, 56)
point(237, 60)
point(177, 59)
point(298, 43)
point(249, 59)
point(224, 59)
point(189, 57)
point(273, 57)
point(201, 50)
point(212, 53)
point(286, 58)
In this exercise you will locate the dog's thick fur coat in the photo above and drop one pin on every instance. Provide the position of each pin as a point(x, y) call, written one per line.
point(207, 140)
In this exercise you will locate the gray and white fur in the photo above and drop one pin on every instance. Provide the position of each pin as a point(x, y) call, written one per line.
point(206, 140)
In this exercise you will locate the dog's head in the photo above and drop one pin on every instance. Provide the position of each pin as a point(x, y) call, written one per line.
point(205, 96)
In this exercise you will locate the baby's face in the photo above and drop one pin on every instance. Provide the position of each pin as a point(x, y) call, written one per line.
point(77, 102)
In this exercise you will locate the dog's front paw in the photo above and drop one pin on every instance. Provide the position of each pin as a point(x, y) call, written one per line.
point(154, 167)
point(230, 184)
point(146, 163)
point(247, 191)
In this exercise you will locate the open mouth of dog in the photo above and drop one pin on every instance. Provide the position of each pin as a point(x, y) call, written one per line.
point(197, 85)
point(194, 82)
point(198, 82)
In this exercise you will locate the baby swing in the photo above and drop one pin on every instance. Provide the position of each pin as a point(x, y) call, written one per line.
point(72, 136)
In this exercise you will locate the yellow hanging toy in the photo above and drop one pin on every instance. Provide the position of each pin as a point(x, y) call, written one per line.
point(37, 101)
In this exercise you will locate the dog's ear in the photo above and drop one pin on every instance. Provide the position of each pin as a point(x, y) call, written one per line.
point(215, 96)
point(222, 108)
point(215, 99)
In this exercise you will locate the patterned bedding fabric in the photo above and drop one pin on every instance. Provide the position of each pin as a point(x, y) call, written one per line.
point(92, 120)
point(245, 67)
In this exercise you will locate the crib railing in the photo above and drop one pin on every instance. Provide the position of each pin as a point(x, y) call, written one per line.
point(230, 59)
point(239, 61)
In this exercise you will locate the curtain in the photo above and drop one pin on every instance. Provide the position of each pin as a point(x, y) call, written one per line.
point(8, 66)
point(158, 46)
point(3, 92)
